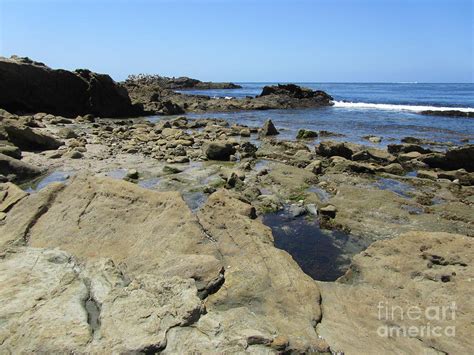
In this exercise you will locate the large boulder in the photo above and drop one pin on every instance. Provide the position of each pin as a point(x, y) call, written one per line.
point(27, 138)
point(409, 295)
point(28, 87)
point(17, 169)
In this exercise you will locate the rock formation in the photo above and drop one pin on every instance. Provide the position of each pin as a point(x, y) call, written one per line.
point(30, 87)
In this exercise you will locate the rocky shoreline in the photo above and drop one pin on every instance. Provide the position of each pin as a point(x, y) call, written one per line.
point(152, 237)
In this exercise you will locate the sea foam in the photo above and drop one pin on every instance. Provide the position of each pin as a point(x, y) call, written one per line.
point(391, 107)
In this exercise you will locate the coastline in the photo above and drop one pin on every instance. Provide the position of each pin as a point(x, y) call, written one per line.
point(160, 231)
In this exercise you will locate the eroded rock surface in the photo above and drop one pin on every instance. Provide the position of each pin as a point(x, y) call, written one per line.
point(135, 270)
point(409, 282)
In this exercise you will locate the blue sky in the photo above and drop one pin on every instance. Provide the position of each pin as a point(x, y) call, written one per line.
point(245, 40)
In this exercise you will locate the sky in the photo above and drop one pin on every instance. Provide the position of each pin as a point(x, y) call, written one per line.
point(248, 40)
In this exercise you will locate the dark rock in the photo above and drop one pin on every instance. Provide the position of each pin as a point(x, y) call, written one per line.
point(218, 150)
point(306, 134)
point(181, 83)
point(295, 91)
point(27, 86)
point(407, 148)
point(268, 129)
point(450, 113)
point(453, 159)
point(330, 148)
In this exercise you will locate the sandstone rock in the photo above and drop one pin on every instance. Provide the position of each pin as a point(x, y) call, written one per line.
point(27, 138)
point(21, 170)
point(268, 129)
point(10, 194)
point(409, 156)
point(419, 271)
point(427, 174)
point(393, 168)
point(143, 259)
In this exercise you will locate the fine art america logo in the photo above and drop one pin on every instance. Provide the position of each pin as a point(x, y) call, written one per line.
point(431, 321)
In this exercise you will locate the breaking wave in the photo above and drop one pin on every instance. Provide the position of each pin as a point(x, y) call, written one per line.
point(413, 108)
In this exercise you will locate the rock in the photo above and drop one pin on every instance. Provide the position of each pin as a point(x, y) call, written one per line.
point(315, 167)
point(448, 113)
point(296, 210)
point(168, 169)
point(297, 92)
point(330, 148)
point(268, 129)
point(67, 133)
point(407, 148)
point(27, 86)
point(377, 155)
point(10, 194)
point(132, 174)
point(306, 134)
point(73, 154)
point(280, 343)
point(245, 132)
point(427, 174)
point(27, 138)
point(409, 156)
point(123, 294)
point(453, 159)
point(21, 170)
point(218, 150)
point(373, 139)
point(400, 285)
point(393, 168)
point(328, 211)
point(10, 150)
point(312, 209)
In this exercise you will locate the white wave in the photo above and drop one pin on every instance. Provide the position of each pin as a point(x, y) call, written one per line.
point(390, 107)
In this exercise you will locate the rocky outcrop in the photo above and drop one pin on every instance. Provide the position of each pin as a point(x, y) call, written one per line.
point(151, 96)
point(297, 92)
point(453, 159)
point(410, 294)
point(181, 83)
point(29, 87)
point(135, 271)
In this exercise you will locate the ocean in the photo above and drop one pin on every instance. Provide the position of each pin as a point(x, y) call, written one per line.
point(388, 110)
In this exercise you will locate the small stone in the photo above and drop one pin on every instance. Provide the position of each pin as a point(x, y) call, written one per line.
point(306, 134)
point(328, 211)
point(73, 155)
point(296, 211)
point(315, 167)
point(312, 209)
point(132, 174)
